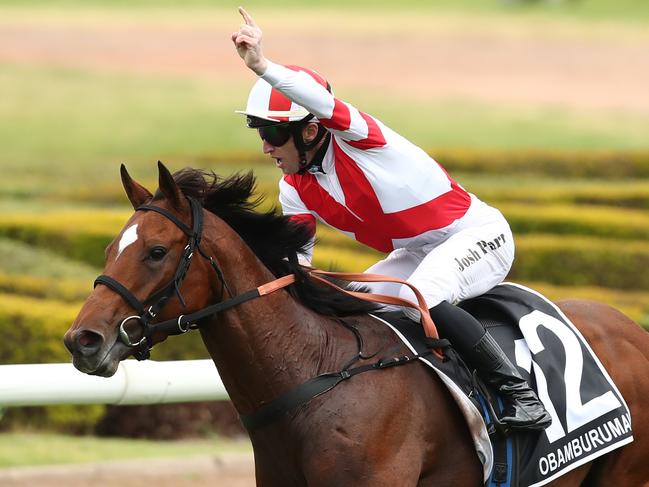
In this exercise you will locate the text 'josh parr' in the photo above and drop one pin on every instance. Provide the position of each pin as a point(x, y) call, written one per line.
point(482, 248)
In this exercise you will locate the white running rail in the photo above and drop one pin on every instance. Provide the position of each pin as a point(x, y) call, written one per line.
point(134, 382)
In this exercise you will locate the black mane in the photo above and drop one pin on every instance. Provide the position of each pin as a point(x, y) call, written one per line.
point(274, 238)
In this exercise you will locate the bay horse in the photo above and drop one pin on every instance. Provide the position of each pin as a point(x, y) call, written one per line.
point(393, 427)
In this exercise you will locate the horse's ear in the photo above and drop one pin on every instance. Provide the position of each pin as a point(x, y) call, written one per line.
point(137, 194)
point(170, 189)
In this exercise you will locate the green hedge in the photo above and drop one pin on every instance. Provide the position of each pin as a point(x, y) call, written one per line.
point(343, 260)
point(555, 166)
point(553, 259)
point(596, 221)
point(81, 234)
point(540, 191)
point(556, 163)
point(66, 290)
point(560, 164)
point(566, 260)
point(84, 235)
point(560, 259)
point(32, 329)
point(582, 261)
point(494, 176)
point(635, 304)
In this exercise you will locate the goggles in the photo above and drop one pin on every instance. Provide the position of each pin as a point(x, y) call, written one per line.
point(276, 134)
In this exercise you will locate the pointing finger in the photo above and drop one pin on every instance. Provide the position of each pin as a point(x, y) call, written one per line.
point(246, 16)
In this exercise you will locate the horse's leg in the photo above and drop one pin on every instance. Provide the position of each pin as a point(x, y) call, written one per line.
point(623, 348)
point(398, 426)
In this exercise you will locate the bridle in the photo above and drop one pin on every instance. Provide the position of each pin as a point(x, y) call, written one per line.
point(149, 308)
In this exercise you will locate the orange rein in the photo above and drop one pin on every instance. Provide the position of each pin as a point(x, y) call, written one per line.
point(426, 321)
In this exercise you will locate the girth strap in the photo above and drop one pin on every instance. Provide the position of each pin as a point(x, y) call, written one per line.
point(296, 397)
point(321, 384)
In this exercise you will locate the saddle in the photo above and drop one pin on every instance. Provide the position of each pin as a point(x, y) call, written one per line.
point(590, 417)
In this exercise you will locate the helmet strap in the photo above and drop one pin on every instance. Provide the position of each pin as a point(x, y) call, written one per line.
point(302, 146)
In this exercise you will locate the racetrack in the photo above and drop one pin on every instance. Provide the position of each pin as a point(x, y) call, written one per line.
point(529, 61)
point(226, 470)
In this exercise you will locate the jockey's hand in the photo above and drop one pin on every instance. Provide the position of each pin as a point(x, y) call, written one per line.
point(247, 40)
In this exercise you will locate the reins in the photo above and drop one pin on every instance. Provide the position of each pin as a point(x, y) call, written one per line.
point(187, 322)
point(184, 323)
point(426, 321)
point(297, 396)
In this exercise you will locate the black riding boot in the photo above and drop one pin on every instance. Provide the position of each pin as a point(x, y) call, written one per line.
point(523, 408)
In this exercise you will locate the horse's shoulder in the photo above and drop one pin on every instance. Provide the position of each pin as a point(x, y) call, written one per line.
point(593, 317)
point(586, 306)
point(614, 337)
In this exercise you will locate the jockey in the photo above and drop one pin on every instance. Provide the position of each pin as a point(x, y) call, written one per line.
point(349, 170)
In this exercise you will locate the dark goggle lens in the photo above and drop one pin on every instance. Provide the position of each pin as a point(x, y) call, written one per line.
point(276, 135)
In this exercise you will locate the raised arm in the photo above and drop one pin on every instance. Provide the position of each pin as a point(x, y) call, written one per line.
point(303, 87)
point(247, 41)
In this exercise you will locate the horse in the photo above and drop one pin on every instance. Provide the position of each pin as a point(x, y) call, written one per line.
point(397, 426)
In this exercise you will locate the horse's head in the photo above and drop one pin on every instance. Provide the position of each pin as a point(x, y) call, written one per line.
point(143, 278)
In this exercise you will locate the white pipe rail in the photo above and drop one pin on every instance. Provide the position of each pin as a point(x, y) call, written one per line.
point(134, 382)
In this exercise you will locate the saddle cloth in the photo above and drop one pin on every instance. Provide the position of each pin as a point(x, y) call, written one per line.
point(589, 415)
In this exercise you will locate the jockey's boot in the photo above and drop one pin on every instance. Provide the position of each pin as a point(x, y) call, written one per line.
point(523, 409)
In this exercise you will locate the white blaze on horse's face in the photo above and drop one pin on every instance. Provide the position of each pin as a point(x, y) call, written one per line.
point(128, 237)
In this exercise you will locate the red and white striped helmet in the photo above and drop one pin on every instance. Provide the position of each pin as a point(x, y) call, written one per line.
point(268, 103)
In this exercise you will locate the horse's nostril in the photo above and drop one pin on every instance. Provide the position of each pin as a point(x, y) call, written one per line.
point(88, 342)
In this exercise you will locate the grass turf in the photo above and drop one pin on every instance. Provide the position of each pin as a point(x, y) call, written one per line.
point(21, 449)
point(67, 128)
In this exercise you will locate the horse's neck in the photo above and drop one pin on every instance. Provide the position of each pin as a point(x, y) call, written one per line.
point(266, 345)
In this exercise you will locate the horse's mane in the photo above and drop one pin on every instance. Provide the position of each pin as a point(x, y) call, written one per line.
point(273, 237)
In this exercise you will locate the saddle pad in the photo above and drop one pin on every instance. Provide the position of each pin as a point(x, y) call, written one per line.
point(454, 374)
point(589, 415)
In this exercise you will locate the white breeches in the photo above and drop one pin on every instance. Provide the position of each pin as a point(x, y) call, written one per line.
point(475, 257)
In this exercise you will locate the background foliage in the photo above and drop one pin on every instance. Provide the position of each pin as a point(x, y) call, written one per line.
point(572, 180)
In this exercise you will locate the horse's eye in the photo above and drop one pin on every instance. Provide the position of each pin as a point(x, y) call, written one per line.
point(157, 253)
